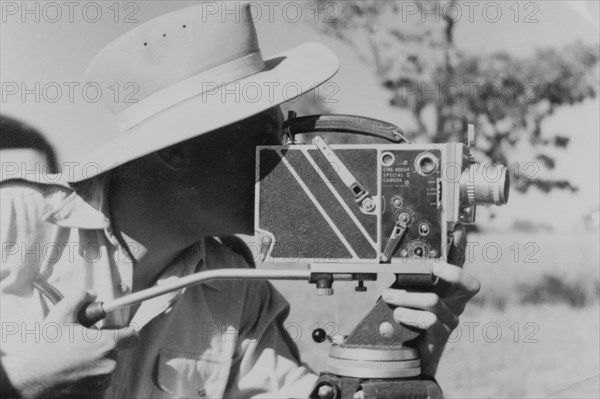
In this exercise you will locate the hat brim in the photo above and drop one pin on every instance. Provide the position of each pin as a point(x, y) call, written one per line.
point(286, 76)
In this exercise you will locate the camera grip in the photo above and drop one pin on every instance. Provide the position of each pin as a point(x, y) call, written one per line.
point(344, 124)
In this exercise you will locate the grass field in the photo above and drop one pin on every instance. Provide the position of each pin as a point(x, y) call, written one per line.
point(533, 331)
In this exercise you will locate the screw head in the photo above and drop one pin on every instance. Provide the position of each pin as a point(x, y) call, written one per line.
point(386, 329)
point(404, 217)
point(368, 204)
point(326, 392)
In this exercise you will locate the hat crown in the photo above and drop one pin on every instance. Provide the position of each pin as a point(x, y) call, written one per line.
point(194, 71)
point(171, 49)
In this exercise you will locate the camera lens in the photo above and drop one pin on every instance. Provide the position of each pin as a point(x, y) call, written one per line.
point(487, 184)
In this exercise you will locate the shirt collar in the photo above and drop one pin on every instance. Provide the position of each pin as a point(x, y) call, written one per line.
point(86, 208)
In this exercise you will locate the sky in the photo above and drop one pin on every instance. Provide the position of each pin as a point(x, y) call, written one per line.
point(55, 51)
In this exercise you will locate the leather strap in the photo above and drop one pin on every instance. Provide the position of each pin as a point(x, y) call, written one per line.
point(344, 124)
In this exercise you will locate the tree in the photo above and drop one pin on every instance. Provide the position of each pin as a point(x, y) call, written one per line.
point(445, 89)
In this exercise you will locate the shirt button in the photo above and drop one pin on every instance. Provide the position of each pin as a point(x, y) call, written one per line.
point(124, 288)
point(202, 392)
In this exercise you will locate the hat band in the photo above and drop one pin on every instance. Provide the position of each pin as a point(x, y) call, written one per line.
point(201, 83)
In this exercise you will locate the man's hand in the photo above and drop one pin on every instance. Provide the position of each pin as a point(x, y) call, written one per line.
point(78, 353)
point(437, 312)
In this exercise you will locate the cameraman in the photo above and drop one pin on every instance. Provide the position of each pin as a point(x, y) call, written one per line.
point(168, 192)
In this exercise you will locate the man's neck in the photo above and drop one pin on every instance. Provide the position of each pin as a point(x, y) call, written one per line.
point(153, 238)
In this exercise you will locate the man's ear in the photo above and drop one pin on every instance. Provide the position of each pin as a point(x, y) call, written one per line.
point(176, 157)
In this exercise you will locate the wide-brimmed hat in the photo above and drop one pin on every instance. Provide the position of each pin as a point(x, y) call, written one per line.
point(190, 72)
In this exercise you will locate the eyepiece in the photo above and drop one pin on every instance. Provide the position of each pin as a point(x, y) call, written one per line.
point(487, 184)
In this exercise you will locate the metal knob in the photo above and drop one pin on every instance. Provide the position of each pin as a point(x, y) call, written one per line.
point(323, 291)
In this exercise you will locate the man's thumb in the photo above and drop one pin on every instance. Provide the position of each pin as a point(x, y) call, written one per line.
point(66, 310)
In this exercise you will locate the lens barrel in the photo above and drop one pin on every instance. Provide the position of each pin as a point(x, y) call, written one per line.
point(487, 184)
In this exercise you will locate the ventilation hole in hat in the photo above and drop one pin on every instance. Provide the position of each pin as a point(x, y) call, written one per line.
point(164, 35)
point(184, 26)
point(145, 44)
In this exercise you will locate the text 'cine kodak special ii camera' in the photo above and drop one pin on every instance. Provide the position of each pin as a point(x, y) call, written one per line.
point(367, 203)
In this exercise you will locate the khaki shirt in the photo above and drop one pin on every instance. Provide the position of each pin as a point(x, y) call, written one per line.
point(219, 339)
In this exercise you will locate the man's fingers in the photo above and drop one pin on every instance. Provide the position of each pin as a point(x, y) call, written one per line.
point(126, 338)
point(460, 237)
point(462, 282)
point(428, 301)
point(66, 310)
point(458, 249)
point(422, 320)
point(111, 341)
point(104, 368)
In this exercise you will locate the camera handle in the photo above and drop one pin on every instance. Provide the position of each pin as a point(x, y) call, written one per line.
point(342, 124)
point(375, 361)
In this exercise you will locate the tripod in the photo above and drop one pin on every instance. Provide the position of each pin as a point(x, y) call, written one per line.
point(375, 361)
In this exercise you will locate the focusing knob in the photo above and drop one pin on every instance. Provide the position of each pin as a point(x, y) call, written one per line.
point(486, 184)
point(324, 291)
point(470, 189)
point(319, 335)
point(497, 196)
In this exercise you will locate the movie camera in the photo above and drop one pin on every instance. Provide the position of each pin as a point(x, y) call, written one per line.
point(354, 210)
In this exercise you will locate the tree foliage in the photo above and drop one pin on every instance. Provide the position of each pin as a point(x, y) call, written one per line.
point(507, 97)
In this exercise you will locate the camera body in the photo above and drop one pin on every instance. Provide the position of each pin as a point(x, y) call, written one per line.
point(371, 203)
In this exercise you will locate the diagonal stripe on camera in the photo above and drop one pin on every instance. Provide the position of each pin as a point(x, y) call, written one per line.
point(316, 203)
point(321, 190)
point(340, 200)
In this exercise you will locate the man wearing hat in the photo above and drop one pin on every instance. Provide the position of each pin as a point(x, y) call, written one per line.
point(160, 203)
